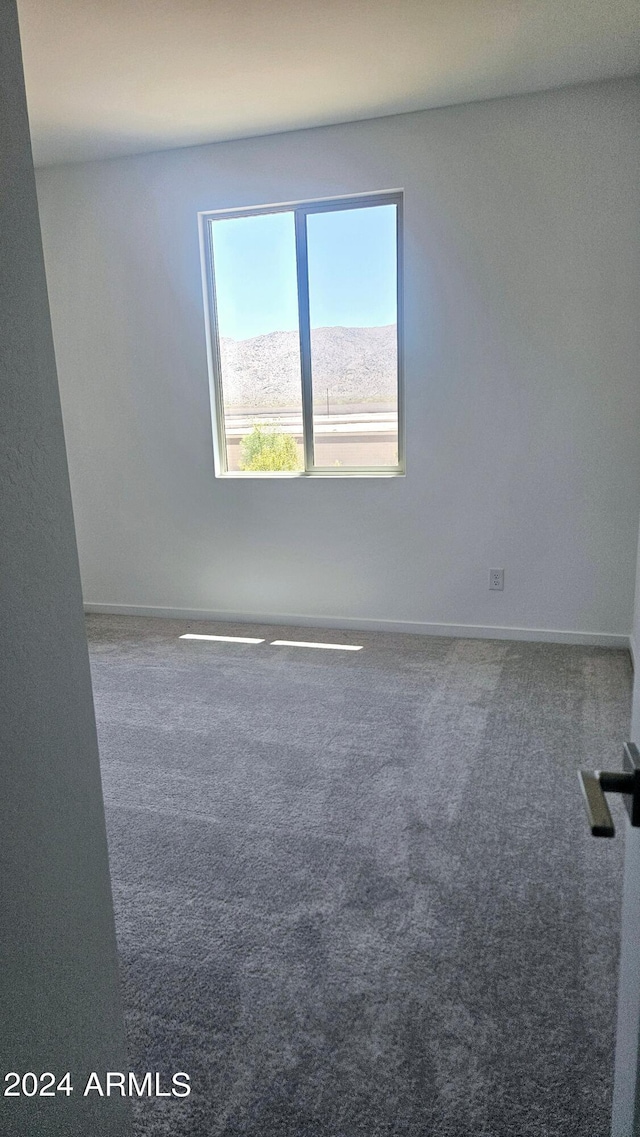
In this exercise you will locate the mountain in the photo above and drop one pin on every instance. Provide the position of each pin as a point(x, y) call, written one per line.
point(352, 363)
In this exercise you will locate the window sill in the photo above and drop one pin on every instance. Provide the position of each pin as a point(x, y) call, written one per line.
point(289, 474)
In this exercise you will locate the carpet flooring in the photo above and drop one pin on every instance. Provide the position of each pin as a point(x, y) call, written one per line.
point(355, 892)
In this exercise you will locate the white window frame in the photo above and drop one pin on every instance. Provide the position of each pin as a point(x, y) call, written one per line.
point(301, 210)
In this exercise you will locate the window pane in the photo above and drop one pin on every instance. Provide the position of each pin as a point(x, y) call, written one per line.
point(254, 262)
point(352, 258)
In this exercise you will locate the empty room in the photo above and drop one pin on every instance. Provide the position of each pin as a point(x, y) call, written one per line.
point(320, 358)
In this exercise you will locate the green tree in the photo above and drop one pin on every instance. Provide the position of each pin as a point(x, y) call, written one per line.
point(267, 449)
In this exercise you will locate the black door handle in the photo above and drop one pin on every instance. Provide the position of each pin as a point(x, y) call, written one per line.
point(598, 782)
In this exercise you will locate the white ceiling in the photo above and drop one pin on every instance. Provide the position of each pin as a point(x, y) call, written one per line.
point(111, 77)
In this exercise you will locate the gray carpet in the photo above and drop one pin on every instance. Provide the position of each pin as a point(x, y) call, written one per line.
point(355, 891)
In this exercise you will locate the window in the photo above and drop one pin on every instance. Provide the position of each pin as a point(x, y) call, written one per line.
point(303, 337)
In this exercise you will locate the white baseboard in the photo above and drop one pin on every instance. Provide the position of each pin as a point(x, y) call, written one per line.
point(414, 627)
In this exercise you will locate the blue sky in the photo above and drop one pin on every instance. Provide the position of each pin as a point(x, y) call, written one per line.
point(352, 271)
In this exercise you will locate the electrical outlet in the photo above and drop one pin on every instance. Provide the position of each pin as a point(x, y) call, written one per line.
point(496, 579)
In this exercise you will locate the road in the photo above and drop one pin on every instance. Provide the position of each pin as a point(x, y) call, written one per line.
point(358, 422)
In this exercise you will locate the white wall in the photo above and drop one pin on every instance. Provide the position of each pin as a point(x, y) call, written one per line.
point(522, 301)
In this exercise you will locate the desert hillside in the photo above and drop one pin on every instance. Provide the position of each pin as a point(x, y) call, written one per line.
point(353, 363)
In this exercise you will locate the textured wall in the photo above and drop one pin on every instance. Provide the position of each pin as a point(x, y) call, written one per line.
point(58, 975)
point(522, 291)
